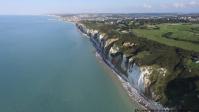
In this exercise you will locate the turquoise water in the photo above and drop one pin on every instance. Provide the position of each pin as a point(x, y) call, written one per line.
point(47, 66)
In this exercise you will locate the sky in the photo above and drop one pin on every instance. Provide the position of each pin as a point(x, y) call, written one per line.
point(21, 7)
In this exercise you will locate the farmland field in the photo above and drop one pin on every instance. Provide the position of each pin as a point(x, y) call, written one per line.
point(185, 36)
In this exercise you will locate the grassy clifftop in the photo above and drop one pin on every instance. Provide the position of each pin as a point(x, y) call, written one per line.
point(171, 46)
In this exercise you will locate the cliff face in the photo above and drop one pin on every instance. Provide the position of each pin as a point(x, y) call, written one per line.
point(145, 70)
point(138, 76)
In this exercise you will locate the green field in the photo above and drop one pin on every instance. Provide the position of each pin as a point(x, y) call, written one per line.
point(185, 36)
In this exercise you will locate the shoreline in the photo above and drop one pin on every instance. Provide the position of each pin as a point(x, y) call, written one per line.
point(118, 80)
point(143, 103)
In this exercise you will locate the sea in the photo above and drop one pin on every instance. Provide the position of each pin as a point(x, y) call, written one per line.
point(47, 65)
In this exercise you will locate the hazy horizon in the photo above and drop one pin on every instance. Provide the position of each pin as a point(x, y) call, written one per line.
point(36, 7)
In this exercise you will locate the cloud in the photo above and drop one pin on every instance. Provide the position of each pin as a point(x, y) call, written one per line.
point(179, 5)
point(147, 6)
point(191, 4)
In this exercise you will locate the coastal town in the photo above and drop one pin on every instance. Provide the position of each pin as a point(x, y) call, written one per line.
point(116, 18)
